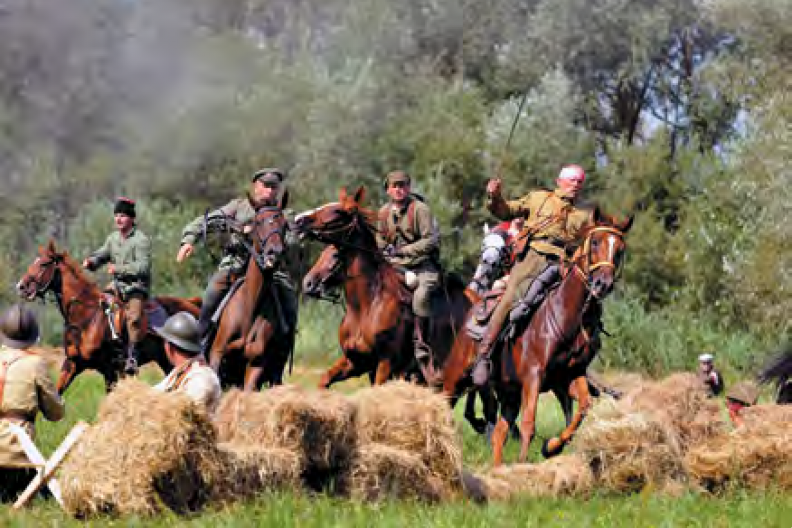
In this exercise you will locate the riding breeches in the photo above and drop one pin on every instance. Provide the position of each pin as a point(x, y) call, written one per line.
point(219, 284)
point(428, 282)
point(522, 276)
point(136, 318)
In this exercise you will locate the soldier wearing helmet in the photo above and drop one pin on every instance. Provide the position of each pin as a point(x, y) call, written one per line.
point(190, 372)
point(553, 222)
point(25, 390)
point(265, 187)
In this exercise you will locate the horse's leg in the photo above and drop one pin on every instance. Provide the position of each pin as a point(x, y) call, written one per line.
point(579, 390)
point(565, 401)
point(530, 398)
point(69, 370)
point(252, 377)
point(383, 371)
point(478, 424)
point(510, 408)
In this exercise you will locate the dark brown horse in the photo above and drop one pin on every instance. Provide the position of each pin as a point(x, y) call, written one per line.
point(554, 350)
point(323, 281)
point(251, 345)
point(88, 339)
point(376, 332)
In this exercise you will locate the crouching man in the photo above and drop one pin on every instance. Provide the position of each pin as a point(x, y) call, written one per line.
point(191, 373)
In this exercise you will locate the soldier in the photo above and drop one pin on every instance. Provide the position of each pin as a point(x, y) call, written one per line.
point(409, 238)
point(710, 377)
point(264, 189)
point(25, 390)
point(128, 250)
point(190, 372)
point(553, 221)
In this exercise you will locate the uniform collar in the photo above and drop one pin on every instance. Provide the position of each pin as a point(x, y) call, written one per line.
point(128, 235)
point(564, 196)
point(396, 208)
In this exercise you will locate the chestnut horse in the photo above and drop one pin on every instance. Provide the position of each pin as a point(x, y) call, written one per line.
point(322, 282)
point(555, 348)
point(377, 329)
point(251, 345)
point(88, 340)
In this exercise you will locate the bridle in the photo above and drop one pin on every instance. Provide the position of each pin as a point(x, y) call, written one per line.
point(262, 241)
point(591, 267)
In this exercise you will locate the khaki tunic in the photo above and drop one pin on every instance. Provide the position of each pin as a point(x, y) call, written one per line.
point(28, 390)
point(196, 379)
point(417, 238)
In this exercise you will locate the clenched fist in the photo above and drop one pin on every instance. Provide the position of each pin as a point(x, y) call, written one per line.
point(184, 251)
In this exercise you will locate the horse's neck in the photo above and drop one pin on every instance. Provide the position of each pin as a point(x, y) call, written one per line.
point(254, 280)
point(77, 296)
point(565, 306)
point(362, 279)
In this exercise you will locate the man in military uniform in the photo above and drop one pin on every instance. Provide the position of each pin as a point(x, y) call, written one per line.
point(190, 373)
point(25, 390)
point(264, 190)
point(553, 221)
point(409, 238)
point(128, 250)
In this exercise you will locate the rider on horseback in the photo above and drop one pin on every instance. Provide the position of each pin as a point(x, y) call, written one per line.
point(128, 251)
point(553, 221)
point(409, 238)
point(265, 187)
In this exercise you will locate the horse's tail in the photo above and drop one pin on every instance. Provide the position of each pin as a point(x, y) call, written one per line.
point(778, 369)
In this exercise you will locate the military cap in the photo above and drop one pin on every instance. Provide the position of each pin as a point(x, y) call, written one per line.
point(269, 175)
point(124, 206)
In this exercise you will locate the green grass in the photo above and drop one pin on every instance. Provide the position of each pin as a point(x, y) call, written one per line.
point(736, 508)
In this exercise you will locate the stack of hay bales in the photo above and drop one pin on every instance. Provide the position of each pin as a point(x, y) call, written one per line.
point(562, 475)
point(755, 455)
point(293, 431)
point(147, 452)
point(641, 439)
point(408, 444)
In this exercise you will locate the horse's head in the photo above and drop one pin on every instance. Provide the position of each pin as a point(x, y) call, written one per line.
point(268, 232)
point(601, 255)
point(333, 221)
point(40, 275)
point(325, 275)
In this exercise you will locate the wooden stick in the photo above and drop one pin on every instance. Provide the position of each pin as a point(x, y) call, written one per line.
point(45, 476)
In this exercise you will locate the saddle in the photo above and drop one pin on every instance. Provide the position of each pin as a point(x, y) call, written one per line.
point(153, 313)
point(482, 312)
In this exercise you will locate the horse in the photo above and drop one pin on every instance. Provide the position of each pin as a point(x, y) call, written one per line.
point(323, 281)
point(376, 332)
point(552, 352)
point(88, 338)
point(778, 370)
point(252, 343)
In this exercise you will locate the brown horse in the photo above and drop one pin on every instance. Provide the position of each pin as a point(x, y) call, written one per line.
point(322, 282)
point(251, 345)
point(88, 339)
point(376, 332)
point(554, 350)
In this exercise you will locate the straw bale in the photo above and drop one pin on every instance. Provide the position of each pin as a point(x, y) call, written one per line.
point(562, 475)
point(149, 451)
point(414, 419)
point(756, 455)
point(320, 426)
point(379, 472)
point(249, 470)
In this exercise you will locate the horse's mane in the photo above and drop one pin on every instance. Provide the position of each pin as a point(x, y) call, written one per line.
point(390, 278)
point(78, 271)
point(778, 368)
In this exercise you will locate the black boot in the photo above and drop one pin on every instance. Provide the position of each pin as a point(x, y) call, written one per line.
point(423, 353)
point(483, 367)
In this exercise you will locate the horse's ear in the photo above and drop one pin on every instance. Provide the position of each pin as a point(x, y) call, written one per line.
point(360, 194)
point(627, 224)
point(284, 200)
point(342, 194)
point(51, 246)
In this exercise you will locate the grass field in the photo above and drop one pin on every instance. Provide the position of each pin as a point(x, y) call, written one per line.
point(737, 508)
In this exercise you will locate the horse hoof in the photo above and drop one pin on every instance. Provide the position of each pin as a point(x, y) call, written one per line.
point(552, 447)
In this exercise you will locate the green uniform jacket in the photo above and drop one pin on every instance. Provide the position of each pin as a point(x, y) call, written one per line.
point(235, 255)
point(556, 218)
point(132, 259)
point(415, 234)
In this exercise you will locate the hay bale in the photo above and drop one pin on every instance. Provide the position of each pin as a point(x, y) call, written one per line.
point(756, 455)
point(148, 452)
point(414, 419)
point(562, 475)
point(380, 471)
point(320, 426)
point(249, 470)
point(628, 450)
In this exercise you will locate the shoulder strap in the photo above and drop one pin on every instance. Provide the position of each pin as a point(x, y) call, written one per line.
point(411, 215)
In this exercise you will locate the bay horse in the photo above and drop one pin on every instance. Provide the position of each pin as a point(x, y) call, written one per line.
point(252, 345)
point(556, 347)
point(88, 339)
point(376, 333)
point(322, 282)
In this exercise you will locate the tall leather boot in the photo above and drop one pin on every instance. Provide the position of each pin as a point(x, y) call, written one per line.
point(423, 353)
point(483, 367)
